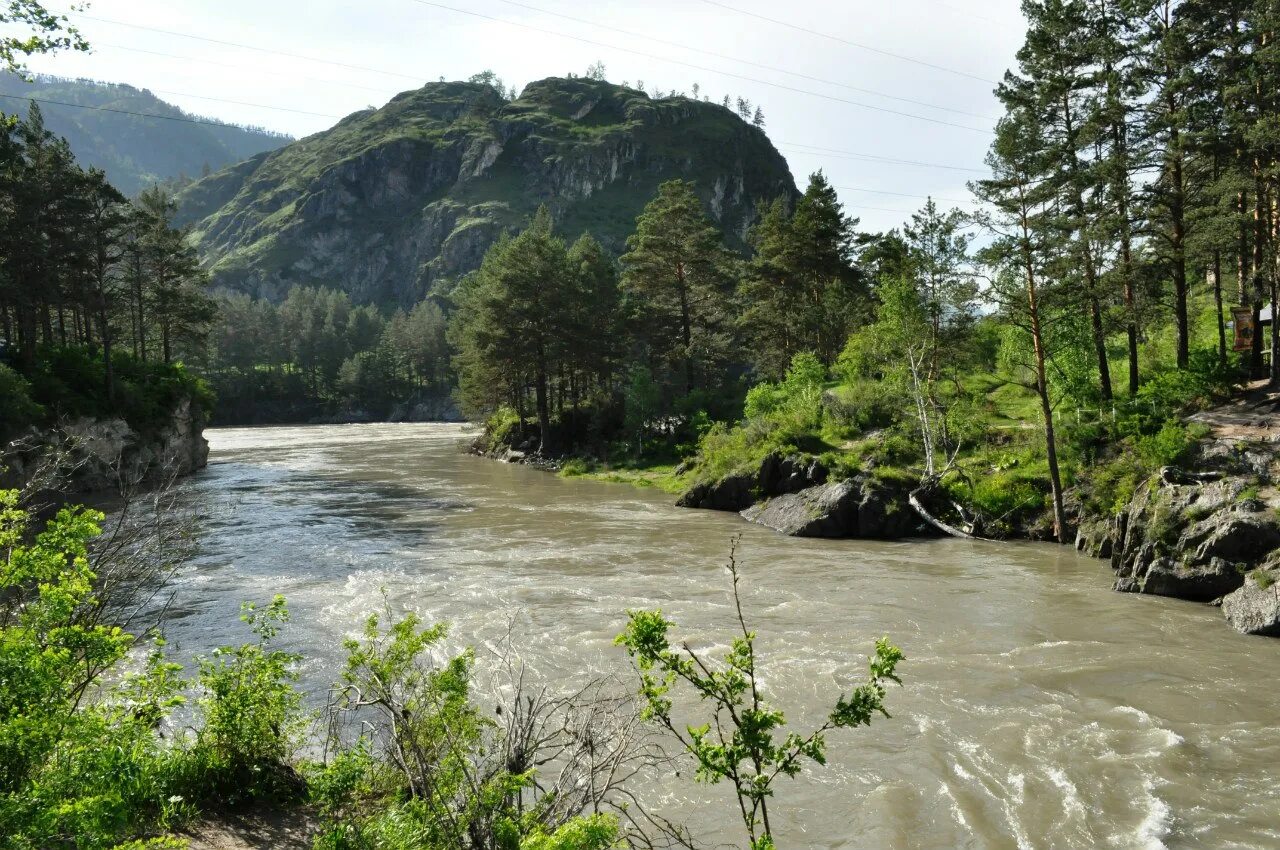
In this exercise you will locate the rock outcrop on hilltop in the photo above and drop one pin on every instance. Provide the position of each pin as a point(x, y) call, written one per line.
point(392, 202)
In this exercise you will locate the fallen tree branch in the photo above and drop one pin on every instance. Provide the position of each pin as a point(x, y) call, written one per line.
point(950, 530)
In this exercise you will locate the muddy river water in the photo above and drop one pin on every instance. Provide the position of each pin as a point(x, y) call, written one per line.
point(1040, 708)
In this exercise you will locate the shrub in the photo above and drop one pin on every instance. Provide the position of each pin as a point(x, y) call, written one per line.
point(69, 766)
point(252, 713)
point(1168, 446)
point(18, 409)
point(864, 405)
point(501, 426)
point(745, 739)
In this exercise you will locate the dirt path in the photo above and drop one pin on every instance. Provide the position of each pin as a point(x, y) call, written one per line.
point(290, 829)
point(1253, 417)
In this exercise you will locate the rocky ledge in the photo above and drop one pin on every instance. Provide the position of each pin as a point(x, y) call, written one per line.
point(792, 495)
point(1212, 535)
point(97, 455)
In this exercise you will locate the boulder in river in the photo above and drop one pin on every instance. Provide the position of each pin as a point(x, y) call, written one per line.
point(830, 510)
point(858, 507)
point(778, 475)
point(731, 493)
point(1254, 609)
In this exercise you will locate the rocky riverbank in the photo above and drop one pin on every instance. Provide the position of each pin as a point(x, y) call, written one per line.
point(86, 455)
point(1209, 532)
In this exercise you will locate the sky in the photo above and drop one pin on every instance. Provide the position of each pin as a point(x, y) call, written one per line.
point(832, 95)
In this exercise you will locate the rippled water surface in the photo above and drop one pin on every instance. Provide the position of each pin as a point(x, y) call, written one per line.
point(1040, 709)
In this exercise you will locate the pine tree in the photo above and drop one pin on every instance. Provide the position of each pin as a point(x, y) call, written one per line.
point(514, 321)
point(677, 277)
point(174, 282)
point(758, 118)
point(1026, 241)
point(1057, 70)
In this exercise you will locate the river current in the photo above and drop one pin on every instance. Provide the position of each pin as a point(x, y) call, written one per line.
point(1040, 709)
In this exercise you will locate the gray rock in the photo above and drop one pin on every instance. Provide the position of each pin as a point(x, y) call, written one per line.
point(100, 455)
point(1187, 536)
point(731, 493)
point(1254, 609)
point(1095, 538)
point(830, 510)
point(860, 507)
point(791, 474)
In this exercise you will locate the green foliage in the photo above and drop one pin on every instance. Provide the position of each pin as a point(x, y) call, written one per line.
point(19, 409)
point(252, 712)
point(595, 832)
point(71, 381)
point(74, 770)
point(1006, 497)
point(745, 741)
point(32, 30)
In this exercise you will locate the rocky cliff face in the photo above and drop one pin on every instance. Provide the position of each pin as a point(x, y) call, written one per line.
point(107, 455)
point(1212, 535)
point(391, 201)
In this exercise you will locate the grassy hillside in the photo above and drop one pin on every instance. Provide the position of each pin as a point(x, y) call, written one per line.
point(134, 151)
point(389, 202)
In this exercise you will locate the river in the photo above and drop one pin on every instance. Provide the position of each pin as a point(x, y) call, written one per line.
point(1040, 709)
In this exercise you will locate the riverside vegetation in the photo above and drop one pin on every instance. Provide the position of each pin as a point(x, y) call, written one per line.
point(743, 344)
point(95, 754)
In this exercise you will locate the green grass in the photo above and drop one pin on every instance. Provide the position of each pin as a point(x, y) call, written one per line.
point(660, 476)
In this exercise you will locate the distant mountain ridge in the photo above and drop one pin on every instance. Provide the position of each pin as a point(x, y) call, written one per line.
point(390, 202)
point(134, 151)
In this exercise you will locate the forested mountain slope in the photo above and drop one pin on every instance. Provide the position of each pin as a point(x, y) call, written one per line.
point(390, 201)
point(134, 151)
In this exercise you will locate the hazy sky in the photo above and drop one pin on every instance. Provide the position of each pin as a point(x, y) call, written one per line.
point(368, 51)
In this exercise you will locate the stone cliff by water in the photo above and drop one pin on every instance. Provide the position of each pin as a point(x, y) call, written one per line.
point(88, 455)
point(390, 202)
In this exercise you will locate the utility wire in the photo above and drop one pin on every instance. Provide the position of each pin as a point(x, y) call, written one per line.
point(226, 126)
point(668, 60)
point(904, 195)
point(846, 41)
point(725, 56)
point(234, 66)
point(247, 47)
point(813, 150)
point(179, 118)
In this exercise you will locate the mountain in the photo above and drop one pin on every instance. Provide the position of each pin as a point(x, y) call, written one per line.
point(134, 151)
point(390, 202)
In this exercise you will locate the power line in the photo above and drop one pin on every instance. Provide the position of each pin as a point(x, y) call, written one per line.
point(248, 103)
point(868, 157)
point(729, 58)
point(846, 41)
point(904, 195)
point(657, 58)
point(188, 120)
point(180, 118)
point(257, 70)
point(248, 47)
